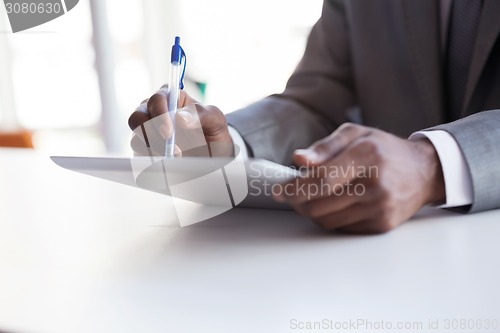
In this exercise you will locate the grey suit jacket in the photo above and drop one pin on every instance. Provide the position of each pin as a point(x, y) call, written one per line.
point(380, 63)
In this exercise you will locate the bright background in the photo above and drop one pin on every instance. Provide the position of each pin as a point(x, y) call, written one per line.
point(74, 81)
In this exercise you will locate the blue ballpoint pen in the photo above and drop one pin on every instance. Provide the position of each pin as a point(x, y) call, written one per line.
point(176, 84)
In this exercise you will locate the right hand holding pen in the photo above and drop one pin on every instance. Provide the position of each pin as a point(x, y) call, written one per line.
point(200, 129)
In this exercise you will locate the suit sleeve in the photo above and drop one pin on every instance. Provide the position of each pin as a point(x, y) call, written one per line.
point(315, 100)
point(478, 137)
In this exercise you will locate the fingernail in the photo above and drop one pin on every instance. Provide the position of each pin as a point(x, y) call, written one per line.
point(165, 131)
point(308, 154)
point(186, 116)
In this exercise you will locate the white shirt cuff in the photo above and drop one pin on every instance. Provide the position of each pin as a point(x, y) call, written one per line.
point(457, 180)
point(238, 141)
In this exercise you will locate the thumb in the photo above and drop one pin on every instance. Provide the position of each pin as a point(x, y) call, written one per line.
point(187, 117)
point(332, 145)
point(212, 119)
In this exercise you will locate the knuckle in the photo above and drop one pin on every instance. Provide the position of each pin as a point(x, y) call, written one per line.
point(134, 120)
point(371, 148)
point(322, 146)
point(349, 127)
point(131, 122)
point(156, 98)
point(368, 145)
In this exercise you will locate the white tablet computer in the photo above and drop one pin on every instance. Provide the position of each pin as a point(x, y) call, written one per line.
point(207, 181)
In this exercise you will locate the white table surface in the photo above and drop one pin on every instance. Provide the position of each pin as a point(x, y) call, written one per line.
point(79, 254)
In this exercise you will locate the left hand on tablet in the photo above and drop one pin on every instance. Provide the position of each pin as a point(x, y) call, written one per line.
point(364, 180)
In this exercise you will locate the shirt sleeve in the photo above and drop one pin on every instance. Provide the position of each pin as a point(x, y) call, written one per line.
point(238, 140)
point(457, 180)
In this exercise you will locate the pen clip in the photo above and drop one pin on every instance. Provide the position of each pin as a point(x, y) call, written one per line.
point(183, 55)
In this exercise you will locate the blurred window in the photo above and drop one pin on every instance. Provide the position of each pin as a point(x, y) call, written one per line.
point(53, 76)
point(239, 51)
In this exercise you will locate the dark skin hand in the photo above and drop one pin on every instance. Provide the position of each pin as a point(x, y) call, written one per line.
point(195, 118)
point(404, 176)
point(392, 179)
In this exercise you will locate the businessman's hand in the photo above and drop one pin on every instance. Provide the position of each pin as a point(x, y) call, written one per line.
point(196, 126)
point(364, 180)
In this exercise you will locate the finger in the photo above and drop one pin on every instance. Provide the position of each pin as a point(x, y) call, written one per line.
point(326, 179)
point(157, 148)
point(159, 106)
point(351, 215)
point(188, 118)
point(185, 99)
point(137, 118)
point(158, 103)
point(330, 146)
point(158, 110)
point(153, 138)
point(139, 147)
point(189, 133)
point(338, 201)
point(211, 120)
point(304, 189)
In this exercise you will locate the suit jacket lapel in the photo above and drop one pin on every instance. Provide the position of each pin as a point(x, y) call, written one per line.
point(421, 19)
point(489, 28)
